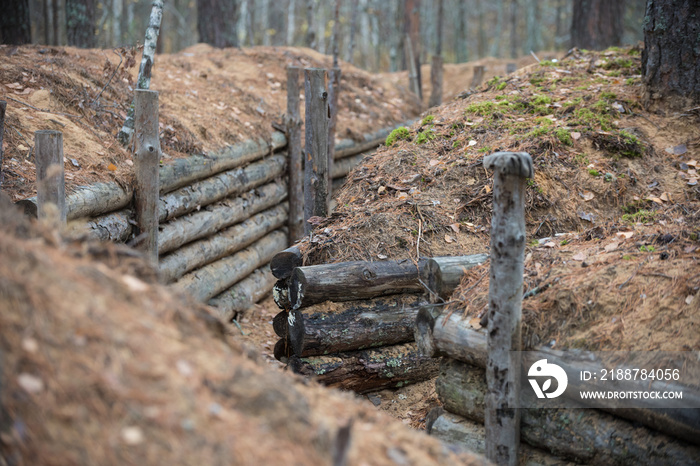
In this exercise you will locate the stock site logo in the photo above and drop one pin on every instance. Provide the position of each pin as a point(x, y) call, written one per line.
point(542, 369)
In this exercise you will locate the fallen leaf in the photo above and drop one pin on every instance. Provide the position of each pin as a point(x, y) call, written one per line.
point(475, 323)
point(30, 345)
point(689, 299)
point(692, 182)
point(381, 190)
point(132, 435)
point(612, 246)
point(666, 197)
point(579, 257)
point(587, 195)
point(449, 239)
point(575, 136)
point(434, 162)
point(455, 227)
point(14, 86)
point(30, 383)
point(22, 147)
point(625, 234)
point(472, 143)
point(549, 244)
point(654, 199)
point(134, 283)
point(381, 256)
point(129, 163)
point(693, 163)
point(111, 167)
point(401, 196)
point(689, 249)
point(586, 216)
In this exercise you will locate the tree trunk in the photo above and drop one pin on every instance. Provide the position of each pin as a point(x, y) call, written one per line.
point(215, 20)
point(223, 243)
point(348, 281)
point(513, 28)
point(310, 31)
point(291, 25)
point(353, 28)
point(597, 24)
point(461, 44)
point(15, 28)
point(496, 43)
point(534, 36)
point(356, 325)
point(412, 28)
point(671, 55)
point(80, 23)
point(210, 280)
point(244, 294)
point(368, 370)
point(220, 215)
point(436, 82)
point(582, 435)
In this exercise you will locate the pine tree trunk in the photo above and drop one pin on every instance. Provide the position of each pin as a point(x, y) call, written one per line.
point(671, 55)
point(14, 23)
point(80, 23)
point(597, 24)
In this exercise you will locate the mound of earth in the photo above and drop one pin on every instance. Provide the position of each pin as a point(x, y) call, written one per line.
point(101, 365)
point(621, 182)
point(209, 98)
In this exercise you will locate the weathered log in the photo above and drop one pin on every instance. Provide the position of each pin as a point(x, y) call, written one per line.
point(510, 169)
point(445, 273)
point(282, 350)
point(356, 325)
point(220, 186)
point(343, 166)
point(337, 183)
point(280, 294)
point(450, 335)
point(146, 162)
point(3, 107)
point(295, 170)
point(285, 262)
point(333, 92)
point(50, 179)
point(583, 435)
point(225, 242)
point(279, 324)
point(316, 179)
point(116, 227)
point(349, 281)
point(367, 370)
point(210, 280)
point(244, 294)
point(295, 331)
point(200, 224)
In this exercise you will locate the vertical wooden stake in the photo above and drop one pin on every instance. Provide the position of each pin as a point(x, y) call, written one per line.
point(333, 91)
point(50, 181)
point(146, 163)
point(436, 81)
point(511, 67)
point(296, 196)
point(316, 192)
point(502, 416)
point(413, 82)
point(478, 76)
point(3, 106)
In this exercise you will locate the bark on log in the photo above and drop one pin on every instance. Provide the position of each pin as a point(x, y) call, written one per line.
point(285, 262)
point(435, 82)
point(355, 325)
point(367, 370)
point(116, 227)
point(333, 92)
point(3, 107)
point(295, 170)
point(223, 243)
point(210, 280)
point(349, 281)
point(316, 174)
point(450, 335)
point(244, 294)
point(344, 166)
point(280, 294)
point(445, 273)
point(348, 147)
point(200, 224)
point(220, 186)
point(583, 435)
point(279, 324)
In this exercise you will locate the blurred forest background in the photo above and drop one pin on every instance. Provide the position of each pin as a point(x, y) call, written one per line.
point(370, 32)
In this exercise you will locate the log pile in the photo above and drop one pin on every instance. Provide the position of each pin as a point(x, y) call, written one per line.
point(351, 324)
point(221, 217)
point(592, 436)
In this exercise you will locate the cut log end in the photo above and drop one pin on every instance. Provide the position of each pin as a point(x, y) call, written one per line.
point(284, 262)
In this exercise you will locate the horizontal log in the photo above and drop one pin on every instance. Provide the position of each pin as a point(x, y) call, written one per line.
point(210, 280)
point(285, 261)
point(448, 334)
point(348, 147)
point(445, 273)
point(87, 201)
point(225, 242)
point(582, 435)
point(280, 294)
point(354, 325)
point(217, 216)
point(181, 172)
point(344, 166)
point(367, 370)
point(115, 226)
point(349, 281)
point(99, 198)
point(220, 186)
point(244, 294)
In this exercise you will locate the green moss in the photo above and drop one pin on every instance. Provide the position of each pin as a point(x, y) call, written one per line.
point(641, 216)
point(547, 63)
point(581, 159)
point(645, 248)
point(425, 136)
point(629, 81)
point(484, 150)
point(537, 132)
point(542, 100)
point(608, 95)
point(614, 73)
point(564, 136)
point(542, 121)
point(480, 108)
point(428, 119)
point(585, 117)
point(494, 81)
point(398, 134)
point(627, 257)
point(501, 86)
point(593, 172)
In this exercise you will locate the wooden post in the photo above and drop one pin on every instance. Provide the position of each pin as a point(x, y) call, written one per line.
point(511, 67)
point(146, 163)
point(316, 189)
point(50, 180)
point(296, 196)
point(333, 91)
point(505, 304)
point(478, 76)
point(413, 82)
point(3, 106)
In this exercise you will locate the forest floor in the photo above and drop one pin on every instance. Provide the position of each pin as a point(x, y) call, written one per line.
point(612, 212)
